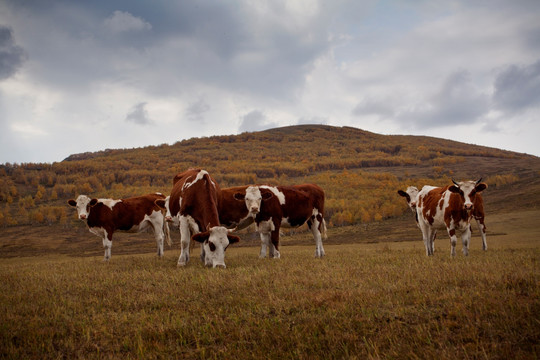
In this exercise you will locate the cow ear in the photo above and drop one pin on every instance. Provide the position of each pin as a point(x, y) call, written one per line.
point(481, 187)
point(72, 202)
point(239, 196)
point(405, 195)
point(201, 237)
point(160, 203)
point(267, 195)
point(93, 202)
point(454, 189)
point(233, 239)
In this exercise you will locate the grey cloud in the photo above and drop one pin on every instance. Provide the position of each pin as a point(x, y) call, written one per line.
point(11, 55)
point(457, 102)
point(121, 21)
point(517, 88)
point(138, 115)
point(373, 107)
point(196, 110)
point(255, 121)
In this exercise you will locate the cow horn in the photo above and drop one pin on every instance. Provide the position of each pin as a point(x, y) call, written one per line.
point(232, 230)
point(455, 183)
point(478, 181)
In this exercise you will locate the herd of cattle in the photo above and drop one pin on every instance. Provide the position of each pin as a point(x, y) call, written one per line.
point(205, 213)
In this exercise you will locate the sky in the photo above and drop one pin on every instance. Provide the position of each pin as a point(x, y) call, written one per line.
point(78, 76)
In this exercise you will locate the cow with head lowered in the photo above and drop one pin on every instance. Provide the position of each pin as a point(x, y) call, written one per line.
point(450, 207)
point(193, 204)
point(105, 216)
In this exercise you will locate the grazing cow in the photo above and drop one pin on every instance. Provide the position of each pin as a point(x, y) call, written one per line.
point(194, 203)
point(411, 195)
point(449, 207)
point(105, 216)
point(290, 206)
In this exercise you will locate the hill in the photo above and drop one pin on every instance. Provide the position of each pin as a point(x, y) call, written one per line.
point(359, 170)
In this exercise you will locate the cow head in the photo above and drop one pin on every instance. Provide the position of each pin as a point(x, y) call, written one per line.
point(410, 195)
point(215, 241)
point(467, 190)
point(253, 198)
point(83, 205)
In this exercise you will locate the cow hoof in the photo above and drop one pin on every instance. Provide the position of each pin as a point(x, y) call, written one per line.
point(181, 264)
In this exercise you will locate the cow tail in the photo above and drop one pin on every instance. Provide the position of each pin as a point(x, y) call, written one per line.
point(167, 232)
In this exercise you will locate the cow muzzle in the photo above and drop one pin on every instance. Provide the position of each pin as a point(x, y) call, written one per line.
point(468, 207)
point(82, 217)
point(254, 210)
point(219, 265)
point(168, 218)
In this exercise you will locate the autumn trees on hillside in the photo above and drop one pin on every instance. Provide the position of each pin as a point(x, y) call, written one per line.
point(334, 158)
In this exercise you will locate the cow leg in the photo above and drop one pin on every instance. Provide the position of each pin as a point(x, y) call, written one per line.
point(427, 236)
point(185, 239)
point(314, 226)
point(107, 244)
point(265, 241)
point(466, 238)
point(156, 221)
point(482, 228)
point(158, 232)
point(453, 240)
point(274, 244)
point(265, 228)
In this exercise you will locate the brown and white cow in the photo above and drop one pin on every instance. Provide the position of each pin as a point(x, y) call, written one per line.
point(290, 206)
point(411, 196)
point(449, 207)
point(104, 216)
point(194, 203)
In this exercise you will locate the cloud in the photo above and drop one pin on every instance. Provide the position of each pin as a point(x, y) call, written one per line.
point(255, 121)
point(517, 88)
point(138, 115)
point(121, 21)
point(11, 56)
point(196, 110)
point(369, 106)
point(457, 101)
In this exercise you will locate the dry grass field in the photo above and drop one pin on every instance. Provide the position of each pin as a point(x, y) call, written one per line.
point(369, 299)
point(376, 295)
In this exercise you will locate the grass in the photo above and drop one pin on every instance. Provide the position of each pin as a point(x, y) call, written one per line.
point(385, 300)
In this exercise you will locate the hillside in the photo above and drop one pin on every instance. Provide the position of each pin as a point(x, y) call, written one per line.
point(359, 170)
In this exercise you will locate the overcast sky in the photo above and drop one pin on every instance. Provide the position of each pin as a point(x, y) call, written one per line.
point(79, 76)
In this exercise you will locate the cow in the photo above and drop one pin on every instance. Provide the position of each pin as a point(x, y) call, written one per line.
point(290, 206)
point(193, 202)
point(449, 207)
point(104, 216)
point(411, 195)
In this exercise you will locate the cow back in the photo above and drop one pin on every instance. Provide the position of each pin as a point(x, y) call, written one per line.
point(199, 194)
point(125, 213)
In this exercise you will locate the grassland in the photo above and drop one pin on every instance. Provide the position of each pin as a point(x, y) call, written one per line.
point(375, 294)
point(365, 300)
